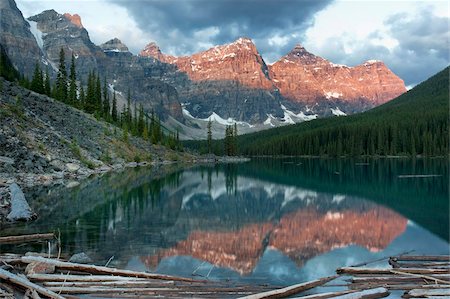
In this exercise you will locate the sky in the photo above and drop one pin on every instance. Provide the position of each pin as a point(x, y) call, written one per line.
point(411, 37)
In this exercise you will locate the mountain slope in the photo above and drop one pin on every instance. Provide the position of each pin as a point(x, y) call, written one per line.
point(43, 140)
point(415, 123)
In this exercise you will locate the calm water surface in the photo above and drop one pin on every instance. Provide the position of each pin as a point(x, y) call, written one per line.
point(277, 221)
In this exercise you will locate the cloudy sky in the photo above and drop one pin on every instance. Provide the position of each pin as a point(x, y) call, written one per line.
point(411, 37)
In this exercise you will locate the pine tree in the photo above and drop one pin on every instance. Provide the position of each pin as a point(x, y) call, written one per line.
point(98, 96)
point(37, 83)
point(61, 79)
point(114, 108)
point(106, 105)
point(73, 89)
point(47, 84)
point(141, 123)
point(82, 99)
point(128, 110)
point(209, 136)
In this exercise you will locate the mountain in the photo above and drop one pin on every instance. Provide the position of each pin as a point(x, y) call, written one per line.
point(299, 85)
point(227, 84)
point(305, 77)
point(231, 81)
point(414, 123)
point(64, 31)
point(17, 39)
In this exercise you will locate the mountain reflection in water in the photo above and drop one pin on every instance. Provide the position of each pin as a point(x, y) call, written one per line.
point(271, 220)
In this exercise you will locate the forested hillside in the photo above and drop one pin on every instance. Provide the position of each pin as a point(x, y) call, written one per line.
point(415, 123)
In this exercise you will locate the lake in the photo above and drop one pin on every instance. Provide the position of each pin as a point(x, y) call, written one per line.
point(275, 221)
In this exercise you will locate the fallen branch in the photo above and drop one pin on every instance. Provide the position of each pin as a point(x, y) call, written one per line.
point(324, 295)
point(349, 270)
point(100, 270)
point(421, 258)
point(421, 293)
point(366, 294)
point(436, 280)
point(17, 280)
point(291, 290)
point(26, 238)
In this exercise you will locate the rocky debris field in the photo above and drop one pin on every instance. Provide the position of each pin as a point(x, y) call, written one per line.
point(43, 141)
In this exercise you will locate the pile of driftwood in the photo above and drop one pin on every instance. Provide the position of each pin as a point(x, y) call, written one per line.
point(416, 276)
point(37, 275)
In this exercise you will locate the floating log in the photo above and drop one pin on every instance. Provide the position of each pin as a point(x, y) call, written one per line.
point(86, 278)
point(396, 286)
point(94, 290)
point(124, 283)
point(350, 270)
point(436, 265)
point(26, 238)
point(366, 294)
point(101, 270)
point(391, 279)
point(421, 293)
point(291, 290)
point(436, 280)
point(445, 258)
point(17, 280)
point(324, 295)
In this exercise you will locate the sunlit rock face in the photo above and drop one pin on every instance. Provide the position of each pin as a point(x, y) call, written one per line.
point(301, 235)
point(239, 61)
point(304, 77)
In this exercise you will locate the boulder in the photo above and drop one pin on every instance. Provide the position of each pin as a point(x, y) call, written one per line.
point(72, 167)
point(20, 210)
point(39, 268)
point(80, 258)
point(72, 184)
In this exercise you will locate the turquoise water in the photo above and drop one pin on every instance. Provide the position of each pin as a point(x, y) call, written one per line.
point(277, 221)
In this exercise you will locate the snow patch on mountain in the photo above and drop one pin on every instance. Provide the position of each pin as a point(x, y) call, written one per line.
point(38, 35)
point(337, 112)
point(292, 118)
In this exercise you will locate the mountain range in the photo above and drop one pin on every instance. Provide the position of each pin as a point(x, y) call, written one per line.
point(226, 84)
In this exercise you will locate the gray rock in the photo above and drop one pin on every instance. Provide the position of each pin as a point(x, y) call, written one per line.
point(80, 258)
point(6, 160)
point(57, 165)
point(72, 184)
point(20, 210)
point(72, 167)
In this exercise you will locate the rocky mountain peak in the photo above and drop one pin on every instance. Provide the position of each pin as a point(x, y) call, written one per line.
point(74, 19)
point(151, 50)
point(114, 45)
point(304, 77)
point(299, 53)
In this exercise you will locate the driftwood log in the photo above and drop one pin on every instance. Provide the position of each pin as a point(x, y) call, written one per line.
point(291, 290)
point(100, 270)
point(19, 281)
point(26, 238)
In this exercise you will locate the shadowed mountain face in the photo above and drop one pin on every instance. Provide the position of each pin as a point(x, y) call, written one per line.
point(281, 213)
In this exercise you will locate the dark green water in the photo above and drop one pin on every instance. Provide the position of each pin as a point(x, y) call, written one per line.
point(276, 221)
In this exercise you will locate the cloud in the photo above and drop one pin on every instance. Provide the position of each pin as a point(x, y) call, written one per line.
point(415, 45)
point(185, 27)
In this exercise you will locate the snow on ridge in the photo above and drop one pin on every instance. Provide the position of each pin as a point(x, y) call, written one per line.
point(268, 121)
point(332, 94)
point(338, 112)
point(37, 34)
point(288, 114)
